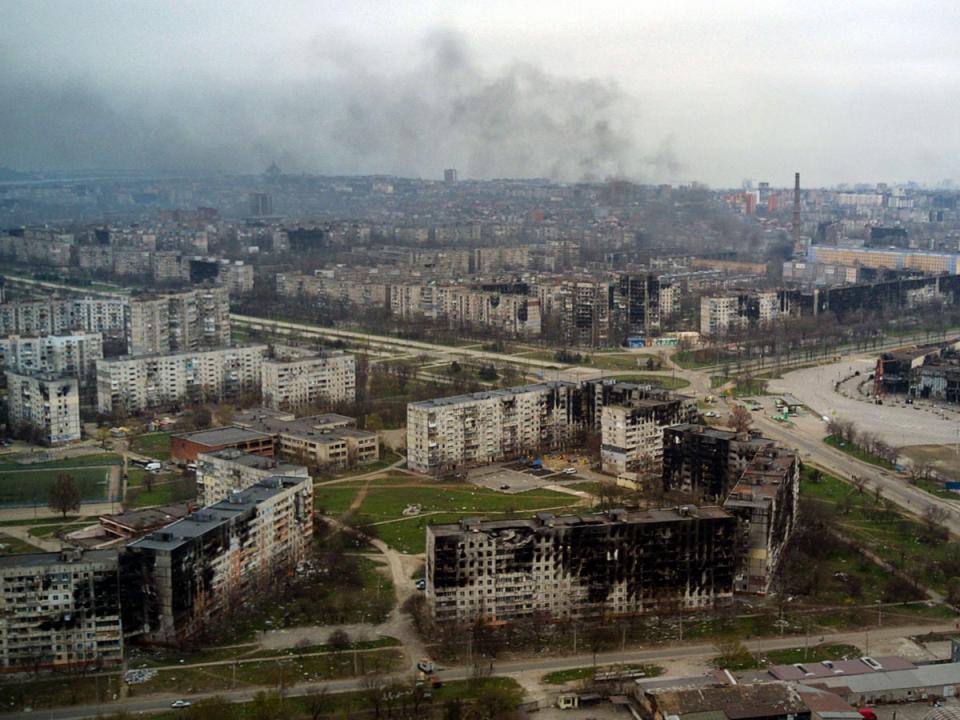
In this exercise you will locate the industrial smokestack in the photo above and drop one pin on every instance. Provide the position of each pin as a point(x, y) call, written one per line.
point(795, 230)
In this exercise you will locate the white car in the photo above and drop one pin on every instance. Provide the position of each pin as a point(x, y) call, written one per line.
point(152, 467)
point(180, 704)
point(570, 471)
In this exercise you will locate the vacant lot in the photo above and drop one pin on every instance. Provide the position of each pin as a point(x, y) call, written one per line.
point(943, 458)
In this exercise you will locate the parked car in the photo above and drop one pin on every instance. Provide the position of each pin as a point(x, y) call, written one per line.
point(421, 584)
point(180, 704)
point(153, 467)
point(570, 471)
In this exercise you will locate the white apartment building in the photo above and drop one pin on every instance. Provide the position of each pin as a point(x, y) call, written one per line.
point(138, 383)
point(47, 404)
point(108, 316)
point(60, 610)
point(224, 472)
point(188, 320)
point(721, 313)
point(464, 430)
point(73, 354)
point(292, 382)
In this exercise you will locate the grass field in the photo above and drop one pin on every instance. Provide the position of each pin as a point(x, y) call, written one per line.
point(559, 677)
point(817, 653)
point(166, 489)
point(620, 361)
point(27, 486)
point(440, 502)
point(857, 452)
point(97, 460)
point(894, 537)
point(155, 445)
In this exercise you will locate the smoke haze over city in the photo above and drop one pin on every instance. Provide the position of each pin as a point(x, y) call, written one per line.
point(705, 92)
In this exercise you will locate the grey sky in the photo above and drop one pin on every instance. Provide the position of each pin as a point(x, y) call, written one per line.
point(715, 91)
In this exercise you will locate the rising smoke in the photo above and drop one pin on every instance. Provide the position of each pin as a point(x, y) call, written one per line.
point(443, 112)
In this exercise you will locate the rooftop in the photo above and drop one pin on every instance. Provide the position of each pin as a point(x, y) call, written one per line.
point(504, 393)
point(222, 436)
point(57, 558)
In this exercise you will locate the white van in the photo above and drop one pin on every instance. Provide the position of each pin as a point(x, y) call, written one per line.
point(152, 467)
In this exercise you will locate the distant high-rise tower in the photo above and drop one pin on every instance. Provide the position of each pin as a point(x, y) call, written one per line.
point(795, 229)
point(450, 176)
point(261, 204)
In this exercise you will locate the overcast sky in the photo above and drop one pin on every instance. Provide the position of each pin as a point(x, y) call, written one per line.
point(655, 91)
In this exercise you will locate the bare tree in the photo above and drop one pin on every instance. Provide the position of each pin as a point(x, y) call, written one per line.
point(740, 419)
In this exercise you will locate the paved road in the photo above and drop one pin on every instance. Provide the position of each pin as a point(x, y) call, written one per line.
point(156, 703)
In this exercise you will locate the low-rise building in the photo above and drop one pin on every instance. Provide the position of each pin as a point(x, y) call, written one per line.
point(328, 440)
point(60, 610)
point(197, 571)
point(591, 565)
point(223, 472)
point(187, 447)
point(45, 407)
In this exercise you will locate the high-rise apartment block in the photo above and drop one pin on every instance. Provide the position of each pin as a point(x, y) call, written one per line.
point(137, 383)
point(224, 472)
point(200, 569)
point(56, 316)
point(632, 434)
point(60, 610)
point(44, 405)
point(74, 354)
point(591, 565)
point(294, 381)
point(172, 322)
point(722, 313)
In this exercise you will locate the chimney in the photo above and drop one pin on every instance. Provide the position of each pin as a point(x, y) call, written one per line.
point(795, 229)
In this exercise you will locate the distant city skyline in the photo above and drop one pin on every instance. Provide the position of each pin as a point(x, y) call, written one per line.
point(694, 91)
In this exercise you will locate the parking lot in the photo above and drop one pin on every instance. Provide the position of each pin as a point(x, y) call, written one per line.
point(516, 478)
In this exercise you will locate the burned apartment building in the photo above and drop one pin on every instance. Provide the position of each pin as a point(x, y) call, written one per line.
point(591, 565)
point(631, 432)
point(60, 610)
point(190, 575)
point(765, 501)
point(224, 472)
point(705, 461)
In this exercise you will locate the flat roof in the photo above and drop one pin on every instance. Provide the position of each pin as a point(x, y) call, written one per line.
point(214, 516)
point(490, 394)
point(257, 462)
point(611, 517)
point(223, 436)
point(56, 558)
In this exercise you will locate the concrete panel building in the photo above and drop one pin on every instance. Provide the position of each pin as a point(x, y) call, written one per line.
point(592, 565)
point(483, 427)
point(187, 447)
point(74, 354)
point(56, 316)
point(765, 500)
point(44, 405)
point(60, 610)
point(194, 573)
point(632, 434)
point(188, 320)
point(139, 383)
point(224, 472)
point(293, 382)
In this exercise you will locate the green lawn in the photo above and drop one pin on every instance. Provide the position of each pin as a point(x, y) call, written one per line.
point(16, 546)
point(95, 460)
point(857, 452)
point(448, 502)
point(388, 458)
point(166, 489)
point(29, 487)
point(620, 361)
point(155, 445)
point(895, 537)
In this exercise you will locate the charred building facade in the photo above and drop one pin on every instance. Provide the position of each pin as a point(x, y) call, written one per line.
point(591, 565)
point(764, 500)
point(632, 433)
point(706, 461)
point(60, 610)
point(186, 577)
